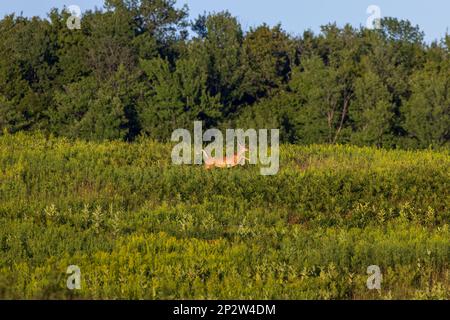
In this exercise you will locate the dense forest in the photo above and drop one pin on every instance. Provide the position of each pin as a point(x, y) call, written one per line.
point(144, 67)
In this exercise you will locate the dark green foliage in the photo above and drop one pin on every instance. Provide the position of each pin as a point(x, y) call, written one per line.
point(132, 69)
point(430, 87)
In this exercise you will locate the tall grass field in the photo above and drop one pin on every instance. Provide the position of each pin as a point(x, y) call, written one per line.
point(139, 227)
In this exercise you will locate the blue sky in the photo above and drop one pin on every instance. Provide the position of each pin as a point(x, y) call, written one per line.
point(433, 16)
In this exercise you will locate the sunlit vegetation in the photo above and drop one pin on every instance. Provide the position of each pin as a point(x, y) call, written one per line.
point(140, 227)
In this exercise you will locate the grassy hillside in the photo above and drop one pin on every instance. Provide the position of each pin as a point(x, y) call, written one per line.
point(139, 227)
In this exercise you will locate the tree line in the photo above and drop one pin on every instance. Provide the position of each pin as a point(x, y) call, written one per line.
point(142, 67)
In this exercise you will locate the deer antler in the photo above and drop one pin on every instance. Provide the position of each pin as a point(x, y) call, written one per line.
point(206, 155)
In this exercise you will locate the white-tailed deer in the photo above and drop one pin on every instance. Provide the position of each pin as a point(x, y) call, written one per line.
point(226, 162)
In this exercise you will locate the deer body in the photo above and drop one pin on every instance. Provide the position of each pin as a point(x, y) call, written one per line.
point(226, 162)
